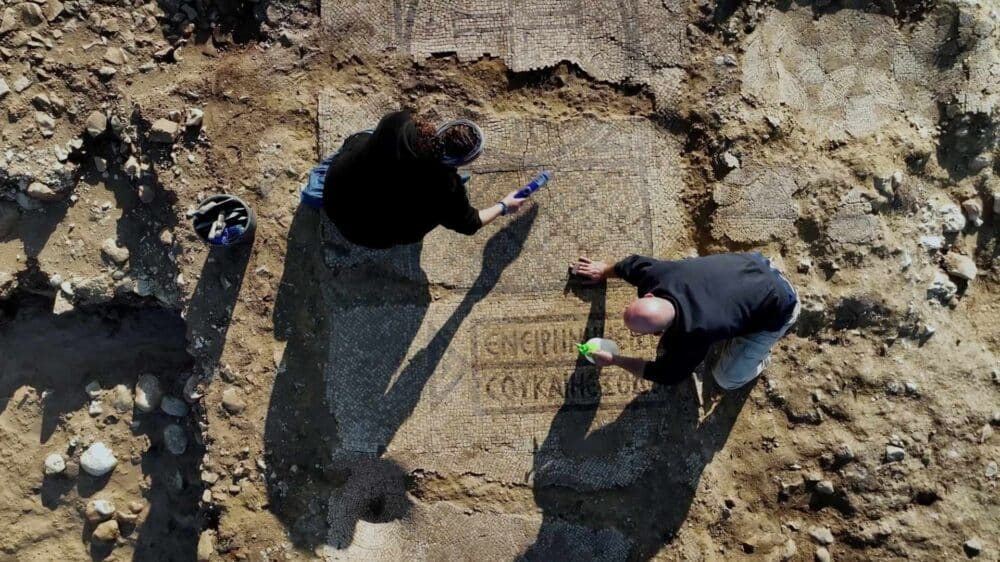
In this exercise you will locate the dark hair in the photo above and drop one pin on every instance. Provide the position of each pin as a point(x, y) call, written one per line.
point(429, 144)
point(459, 141)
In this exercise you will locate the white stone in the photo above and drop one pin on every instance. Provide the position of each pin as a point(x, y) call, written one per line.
point(22, 83)
point(96, 124)
point(163, 131)
point(114, 252)
point(174, 406)
point(932, 242)
point(147, 393)
point(961, 266)
point(62, 305)
point(4, 88)
point(132, 167)
point(175, 439)
point(195, 117)
point(98, 460)
point(823, 555)
point(973, 211)
point(41, 192)
point(54, 464)
point(952, 219)
point(121, 399)
point(95, 408)
point(822, 535)
point(825, 487)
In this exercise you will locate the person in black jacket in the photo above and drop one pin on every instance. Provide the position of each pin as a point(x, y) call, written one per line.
point(737, 301)
point(394, 184)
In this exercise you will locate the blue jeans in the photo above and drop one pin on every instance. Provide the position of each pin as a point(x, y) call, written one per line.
point(312, 191)
point(744, 358)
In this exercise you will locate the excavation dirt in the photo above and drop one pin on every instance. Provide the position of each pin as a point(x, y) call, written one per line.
point(301, 398)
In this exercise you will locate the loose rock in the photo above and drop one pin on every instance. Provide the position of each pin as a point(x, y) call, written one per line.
point(823, 555)
point(194, 119)
point(973, 211)
point(96, 124)
point(107, 531)
point(893, 453)
point(99, 510)
point(4, 88)
point(972, 547)
point(54, 464)
point(175, 439)
point(960, 266)
point(952, 219)
point(163, 131)
point(114, 252)
point(121, 399)
point(825, 487)
point(206, 546)
point(147, 393)
point(98, 460)
point(41, 192)
point(942, 288)
point(232, 400)
point(821, 535)
point(174, 406)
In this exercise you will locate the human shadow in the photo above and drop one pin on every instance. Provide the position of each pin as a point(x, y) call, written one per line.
point(622, 491)
point(340, 394)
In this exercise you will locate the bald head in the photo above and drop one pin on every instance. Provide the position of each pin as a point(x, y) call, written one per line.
point(649, 315)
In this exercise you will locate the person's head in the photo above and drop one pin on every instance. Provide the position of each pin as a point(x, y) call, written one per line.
point(649, 315)
point(456, 143)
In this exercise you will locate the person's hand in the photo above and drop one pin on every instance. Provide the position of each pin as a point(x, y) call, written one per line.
point(602, 358)
point(592, 271)
point(513, 203)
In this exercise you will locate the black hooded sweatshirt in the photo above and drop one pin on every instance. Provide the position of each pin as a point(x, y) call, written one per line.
point(715, 298)
point(379, 193)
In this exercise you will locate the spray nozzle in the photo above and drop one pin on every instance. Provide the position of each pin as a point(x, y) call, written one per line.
point(586, 349)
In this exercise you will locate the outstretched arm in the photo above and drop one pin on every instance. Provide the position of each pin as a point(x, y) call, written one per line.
point(634, 365)
point(593, 271)
point(511, 203)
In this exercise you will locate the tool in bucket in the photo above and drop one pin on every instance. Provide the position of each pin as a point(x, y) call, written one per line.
point(223, 220)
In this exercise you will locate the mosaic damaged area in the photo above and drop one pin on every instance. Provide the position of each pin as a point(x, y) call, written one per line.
point(614, 40)
point(576, 213)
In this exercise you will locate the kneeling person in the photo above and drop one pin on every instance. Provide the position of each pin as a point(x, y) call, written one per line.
point(737, 301)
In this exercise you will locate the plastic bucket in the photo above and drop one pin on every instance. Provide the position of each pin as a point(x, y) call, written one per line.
point(463, 159)
point(239, 219)
point(603, 345)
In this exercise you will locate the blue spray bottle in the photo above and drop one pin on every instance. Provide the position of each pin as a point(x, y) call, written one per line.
point(534, 185)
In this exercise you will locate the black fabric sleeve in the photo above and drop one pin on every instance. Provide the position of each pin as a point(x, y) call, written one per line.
point(633, 268)
point(675, 361)
point(457, 213)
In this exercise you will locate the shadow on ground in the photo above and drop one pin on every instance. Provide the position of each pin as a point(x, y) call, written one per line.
point(623, 490)
point(336, 403)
